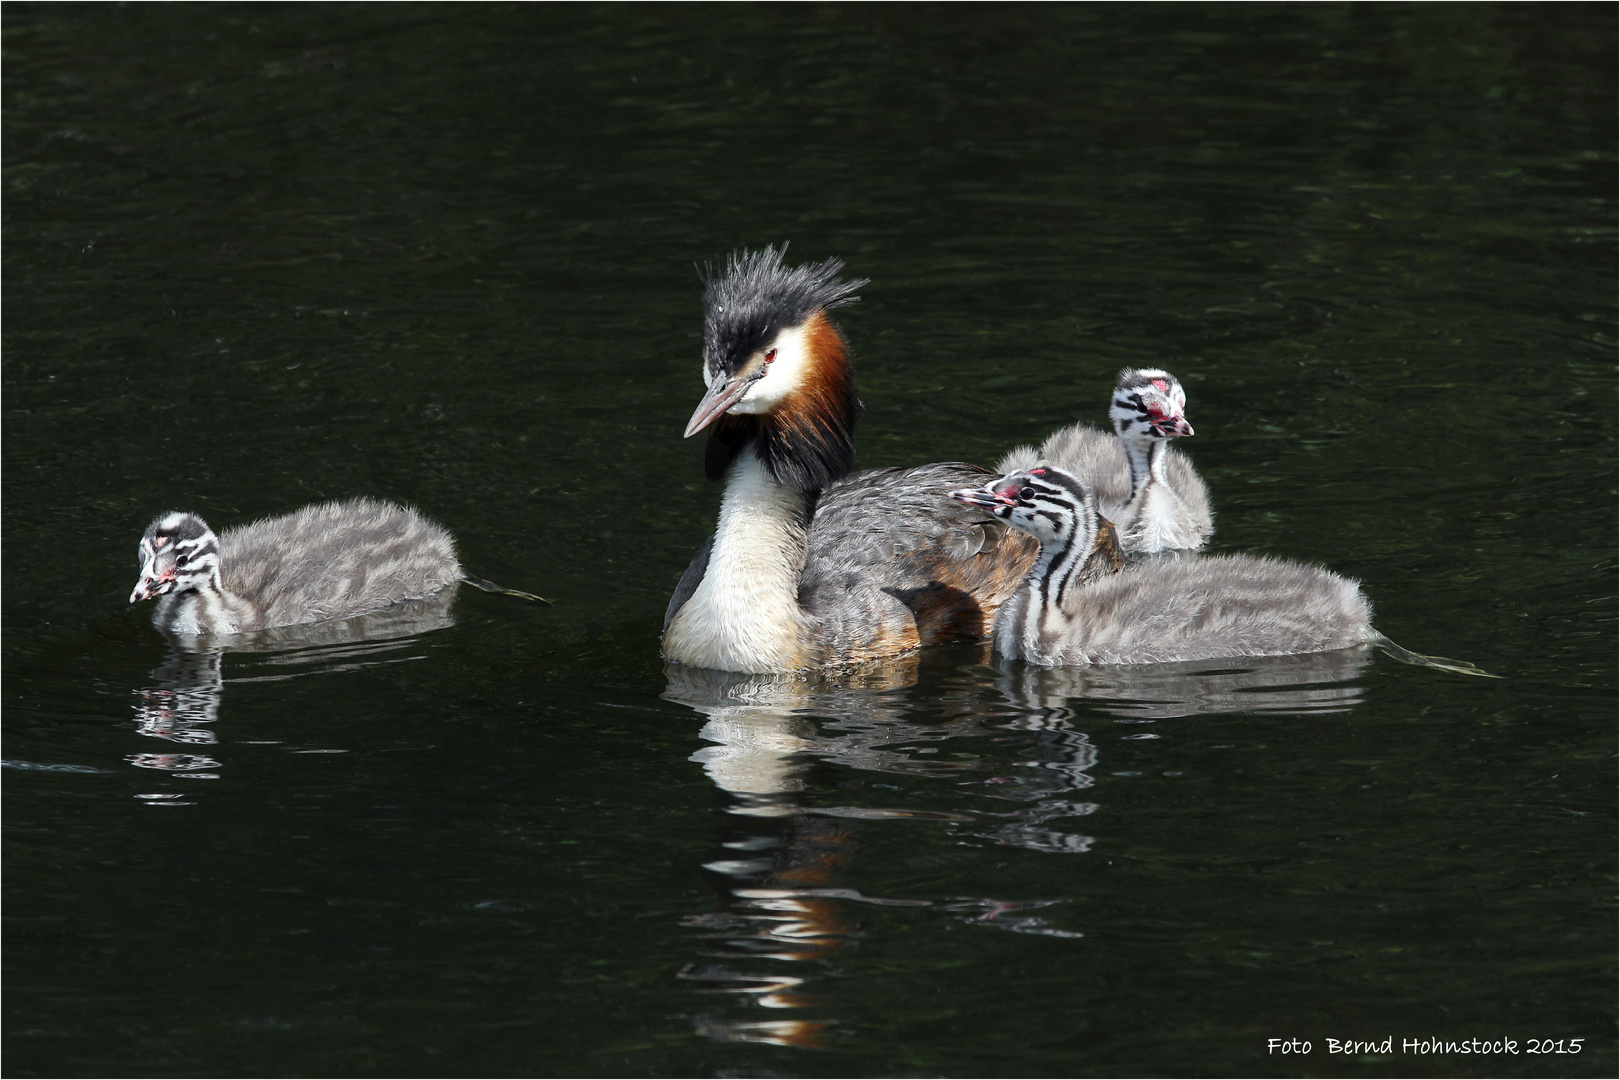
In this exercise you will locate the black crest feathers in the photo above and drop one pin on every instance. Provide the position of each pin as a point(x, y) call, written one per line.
point(807, 443)
point(757, 297)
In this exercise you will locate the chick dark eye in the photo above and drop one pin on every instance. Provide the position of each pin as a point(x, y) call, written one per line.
point(1026, 493)
point(770, 356)
point(181, 560)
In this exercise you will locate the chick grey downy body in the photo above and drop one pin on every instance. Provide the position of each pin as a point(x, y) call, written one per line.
point(331, 560)
point(1147, 488)
point(811, 565)
point(1196, 608)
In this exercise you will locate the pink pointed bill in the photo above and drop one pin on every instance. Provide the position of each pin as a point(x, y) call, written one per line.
point(1167, 425)
point(984, 498)
point(151, 585)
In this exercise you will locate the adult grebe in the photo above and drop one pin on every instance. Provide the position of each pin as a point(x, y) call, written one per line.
point(808, 566)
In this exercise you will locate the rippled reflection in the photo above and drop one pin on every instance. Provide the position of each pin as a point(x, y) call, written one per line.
point(182, 703)
point(782, 853)
point(1298, 685)
point(778, 858)
point(185, 699)
point(333, 639)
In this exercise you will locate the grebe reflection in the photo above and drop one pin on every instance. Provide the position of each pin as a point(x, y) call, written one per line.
point(944, 726)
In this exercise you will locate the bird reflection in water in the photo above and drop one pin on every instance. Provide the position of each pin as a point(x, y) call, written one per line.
point(183, 703)
point(1299, 685)
point(783, 856)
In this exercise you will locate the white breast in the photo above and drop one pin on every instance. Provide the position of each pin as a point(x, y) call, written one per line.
point(744, 615)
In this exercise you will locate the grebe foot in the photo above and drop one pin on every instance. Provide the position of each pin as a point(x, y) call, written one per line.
point(491, 587)
point(1438, 663)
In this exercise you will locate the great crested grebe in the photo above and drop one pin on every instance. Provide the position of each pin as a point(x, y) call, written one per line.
point(331, 560)
point(1152, 494)
point(808, 566)
point(1199, 608)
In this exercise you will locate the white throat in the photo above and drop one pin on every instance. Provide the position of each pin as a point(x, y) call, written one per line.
point(745, 614)
point(1155, 519)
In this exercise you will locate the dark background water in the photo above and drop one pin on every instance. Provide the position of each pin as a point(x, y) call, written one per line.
point(258, 256)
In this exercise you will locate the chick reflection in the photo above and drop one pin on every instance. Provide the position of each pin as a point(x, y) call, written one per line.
point(1288, 685)
point(185, 699)
point(1143, 693)
point(183, 703)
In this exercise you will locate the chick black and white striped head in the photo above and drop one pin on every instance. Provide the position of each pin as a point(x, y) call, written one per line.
point(178, 553)
point(1149, 404)
point(1055, 507)
point(776, 369)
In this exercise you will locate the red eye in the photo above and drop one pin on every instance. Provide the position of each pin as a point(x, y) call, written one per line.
point(770, 356)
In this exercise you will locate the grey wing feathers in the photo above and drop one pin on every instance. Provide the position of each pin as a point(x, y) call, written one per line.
point(869, 518)
point(1213, 607)
point(689, 580)
point(337, 559)
point(889, 548)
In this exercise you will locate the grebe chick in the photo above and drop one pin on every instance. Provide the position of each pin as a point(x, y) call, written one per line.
point(810, 567)
point(1151, 492)
point(331, 560)
point(1200, 608)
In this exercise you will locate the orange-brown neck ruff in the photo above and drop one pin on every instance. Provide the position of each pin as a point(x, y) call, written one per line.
point(808, 440)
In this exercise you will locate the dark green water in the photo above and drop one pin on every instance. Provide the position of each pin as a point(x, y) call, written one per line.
point(259, 256)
